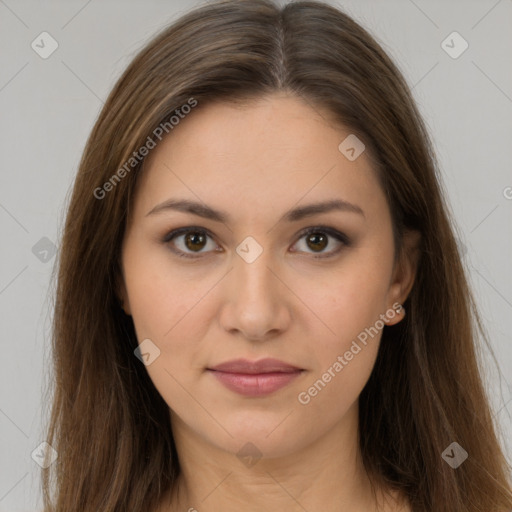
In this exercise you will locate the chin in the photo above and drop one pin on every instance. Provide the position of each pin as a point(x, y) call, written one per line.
point(266, 435)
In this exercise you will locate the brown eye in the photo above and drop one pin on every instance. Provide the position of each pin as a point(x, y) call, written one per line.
point(317, 239)
point(195, 240)
point(190, 242)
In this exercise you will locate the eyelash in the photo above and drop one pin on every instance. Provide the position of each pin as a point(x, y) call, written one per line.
point(340, 237)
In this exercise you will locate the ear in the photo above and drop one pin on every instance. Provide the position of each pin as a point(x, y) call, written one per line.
point(404, 273)
point(121, 294)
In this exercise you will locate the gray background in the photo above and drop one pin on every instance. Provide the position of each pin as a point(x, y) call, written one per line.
point(48, 107)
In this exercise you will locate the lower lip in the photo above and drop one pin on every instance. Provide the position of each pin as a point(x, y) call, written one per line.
point(255, 385)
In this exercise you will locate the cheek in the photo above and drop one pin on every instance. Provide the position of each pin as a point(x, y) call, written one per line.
point(343, 360)
point(348, 299)
point(162, 297)
point(349, 304)
point(172, 306)
point(166, 307)
point(333, 391)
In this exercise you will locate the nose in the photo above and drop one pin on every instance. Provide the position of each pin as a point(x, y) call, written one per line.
point(256, 303)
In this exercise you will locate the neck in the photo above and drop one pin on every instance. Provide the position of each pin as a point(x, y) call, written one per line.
point(326, 475)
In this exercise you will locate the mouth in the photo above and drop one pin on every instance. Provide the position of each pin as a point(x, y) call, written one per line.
point(255, 378)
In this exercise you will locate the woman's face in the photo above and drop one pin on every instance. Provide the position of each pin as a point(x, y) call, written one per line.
point(255, 285)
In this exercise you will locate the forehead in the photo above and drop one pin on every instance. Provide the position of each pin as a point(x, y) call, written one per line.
point(262, 156)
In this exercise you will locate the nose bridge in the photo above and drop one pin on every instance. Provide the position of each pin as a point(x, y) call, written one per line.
point(251, 272)
point(254, 305)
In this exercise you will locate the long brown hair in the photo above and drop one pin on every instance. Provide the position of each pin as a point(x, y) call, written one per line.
point(110, 426)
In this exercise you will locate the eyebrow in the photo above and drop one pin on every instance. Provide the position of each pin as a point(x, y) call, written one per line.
point(301, 212)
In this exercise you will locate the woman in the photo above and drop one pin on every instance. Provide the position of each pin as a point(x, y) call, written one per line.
point(260, 298)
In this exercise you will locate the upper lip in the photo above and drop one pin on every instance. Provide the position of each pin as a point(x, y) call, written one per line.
point(267, 365)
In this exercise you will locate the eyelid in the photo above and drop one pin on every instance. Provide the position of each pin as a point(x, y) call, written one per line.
point(339, 236)
point(184, 230)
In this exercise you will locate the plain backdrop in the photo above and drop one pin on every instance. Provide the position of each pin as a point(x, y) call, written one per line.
point(49, 105)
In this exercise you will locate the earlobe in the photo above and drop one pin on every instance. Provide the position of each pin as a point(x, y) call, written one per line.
point(404, 273)
point(121, 294)
point(394, 314)
point(125, 307)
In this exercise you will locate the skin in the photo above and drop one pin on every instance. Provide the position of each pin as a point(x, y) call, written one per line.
point(255, 163)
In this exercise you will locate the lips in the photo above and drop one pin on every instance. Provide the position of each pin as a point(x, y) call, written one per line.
point(255, 367)
point(255, 378)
